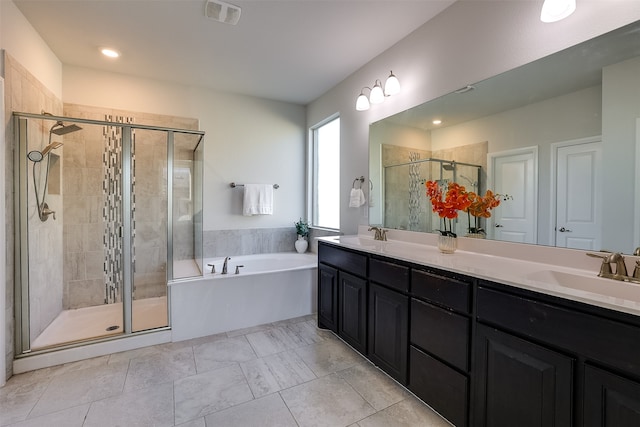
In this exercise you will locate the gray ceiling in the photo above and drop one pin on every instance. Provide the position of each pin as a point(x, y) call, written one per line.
point(288, 50)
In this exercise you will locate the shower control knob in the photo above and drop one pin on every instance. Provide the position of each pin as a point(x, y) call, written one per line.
point(45, 212)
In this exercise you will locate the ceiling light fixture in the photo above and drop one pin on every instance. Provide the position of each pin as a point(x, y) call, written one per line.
point(111, 53)
point(377, 94)
point(556, 10)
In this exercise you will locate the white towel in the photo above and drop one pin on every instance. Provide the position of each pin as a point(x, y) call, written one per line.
point(356, 198)
point(258, 199)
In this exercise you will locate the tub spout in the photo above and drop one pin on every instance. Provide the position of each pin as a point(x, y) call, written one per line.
point(224, 266)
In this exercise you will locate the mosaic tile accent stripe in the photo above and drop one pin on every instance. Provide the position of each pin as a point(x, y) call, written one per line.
point(415, 187)
point(112, 212)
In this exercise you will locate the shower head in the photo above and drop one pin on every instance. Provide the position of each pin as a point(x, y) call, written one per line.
point(50, 147)
point(61, 129)
point(449, 166)
point(35, 156)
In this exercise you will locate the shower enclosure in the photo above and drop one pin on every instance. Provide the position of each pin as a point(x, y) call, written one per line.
point(406, 205)
point(107, 212)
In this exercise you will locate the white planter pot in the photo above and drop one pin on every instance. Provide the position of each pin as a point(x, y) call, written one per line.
point(301, 244)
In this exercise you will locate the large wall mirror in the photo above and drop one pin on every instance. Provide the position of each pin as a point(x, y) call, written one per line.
point(560, 135)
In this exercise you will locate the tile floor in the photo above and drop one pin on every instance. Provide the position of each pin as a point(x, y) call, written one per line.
point(283, 374)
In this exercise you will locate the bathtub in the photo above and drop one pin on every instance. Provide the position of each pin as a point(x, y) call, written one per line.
point(269, 288)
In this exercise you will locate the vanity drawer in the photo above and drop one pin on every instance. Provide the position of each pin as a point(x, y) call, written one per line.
point(450, 292)
point(389, 274)
point(602, 339)
point(441, 333)
point(345, 260)
point(439, 386)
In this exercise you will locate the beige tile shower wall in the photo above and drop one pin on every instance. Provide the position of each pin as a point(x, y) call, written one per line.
point(24, 93)
point(83, 236)
point(475, 154)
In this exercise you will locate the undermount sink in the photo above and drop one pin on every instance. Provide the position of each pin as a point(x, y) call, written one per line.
point(594, 284)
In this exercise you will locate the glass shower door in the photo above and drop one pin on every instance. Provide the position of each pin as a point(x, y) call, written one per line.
point(149, 216)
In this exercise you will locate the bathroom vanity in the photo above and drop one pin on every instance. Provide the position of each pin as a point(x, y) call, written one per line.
point(486, 340)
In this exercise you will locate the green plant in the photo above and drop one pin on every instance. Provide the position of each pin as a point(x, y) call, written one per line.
point(302, 227)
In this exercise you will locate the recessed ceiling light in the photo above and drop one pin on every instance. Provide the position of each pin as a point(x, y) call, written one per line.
point(437, 122)
point(111, 53)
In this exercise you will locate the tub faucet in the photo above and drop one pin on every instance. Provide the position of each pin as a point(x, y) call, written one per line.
point(224, 266)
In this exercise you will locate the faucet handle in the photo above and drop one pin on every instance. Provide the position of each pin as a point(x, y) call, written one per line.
point(383, 234)
point(605, 268)
point(238, 268)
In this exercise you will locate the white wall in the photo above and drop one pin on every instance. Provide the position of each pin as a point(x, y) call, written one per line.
point(621, 109)
point(23, 42)
point(248, 140)
point(468, 42)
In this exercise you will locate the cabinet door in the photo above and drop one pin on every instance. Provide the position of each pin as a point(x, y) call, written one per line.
point(327, 297)
point(520, 383)
point(610, 400)
point(388, 331)
point(352, 292)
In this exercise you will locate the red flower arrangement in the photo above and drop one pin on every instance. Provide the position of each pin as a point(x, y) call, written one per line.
point(457, 198)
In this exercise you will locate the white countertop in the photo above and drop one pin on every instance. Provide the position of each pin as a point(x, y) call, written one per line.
point(551, 279)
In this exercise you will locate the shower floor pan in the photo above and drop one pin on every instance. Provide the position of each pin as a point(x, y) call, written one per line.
point(96, 322)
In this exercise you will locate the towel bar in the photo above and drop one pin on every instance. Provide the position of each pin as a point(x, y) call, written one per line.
point(234, 185)
point(360, 178)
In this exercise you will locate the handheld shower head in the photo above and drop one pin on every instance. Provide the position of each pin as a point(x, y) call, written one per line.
point(50, 147)
point(35, 156)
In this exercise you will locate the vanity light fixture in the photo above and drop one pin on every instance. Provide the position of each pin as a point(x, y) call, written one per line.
point(556, 10)
point(110, 53)
point(377, 94)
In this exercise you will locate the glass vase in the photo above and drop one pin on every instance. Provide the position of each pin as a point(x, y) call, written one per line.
point(447, 244)
point(476, 235)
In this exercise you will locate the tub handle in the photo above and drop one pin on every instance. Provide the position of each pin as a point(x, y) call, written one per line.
point(238, 268)
point(213, 268)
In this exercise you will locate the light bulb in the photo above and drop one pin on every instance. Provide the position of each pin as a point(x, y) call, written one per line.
point(377, 95)
point(555, 10)
point(362, 103)
point(392, 85)
point(111, 53)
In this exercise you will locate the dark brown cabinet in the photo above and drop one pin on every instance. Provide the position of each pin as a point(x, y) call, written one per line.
point(520, 383)
point(388, 331)
point(443, 388)
point(327, 297)
point(610, 400)
point(439, 352)
point(483, 354)
point(352, 296)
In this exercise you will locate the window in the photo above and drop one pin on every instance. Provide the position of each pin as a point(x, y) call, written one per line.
point(325, 161)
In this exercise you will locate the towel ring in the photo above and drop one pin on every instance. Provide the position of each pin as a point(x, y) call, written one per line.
point(361, 179)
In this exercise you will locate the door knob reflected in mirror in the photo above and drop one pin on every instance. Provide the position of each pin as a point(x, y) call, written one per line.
point(498, 226)
point(564, 230)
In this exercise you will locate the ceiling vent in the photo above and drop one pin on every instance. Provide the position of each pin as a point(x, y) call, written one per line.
point(222, 12)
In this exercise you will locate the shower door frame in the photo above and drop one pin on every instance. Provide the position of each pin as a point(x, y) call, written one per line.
point(21, 262)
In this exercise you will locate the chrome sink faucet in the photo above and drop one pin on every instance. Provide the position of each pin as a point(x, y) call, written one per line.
point(381, 234)
point(224, 266)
